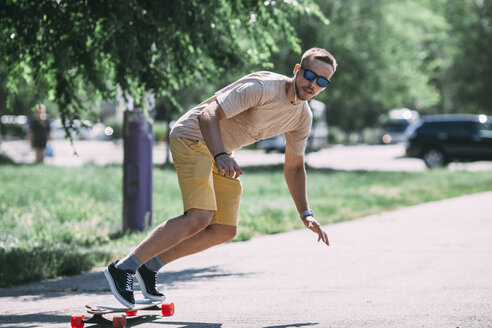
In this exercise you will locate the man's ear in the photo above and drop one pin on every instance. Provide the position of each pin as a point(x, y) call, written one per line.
point(296, 69)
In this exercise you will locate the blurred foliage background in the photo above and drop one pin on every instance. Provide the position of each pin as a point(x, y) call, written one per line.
point(434, 56)
point(430, 55)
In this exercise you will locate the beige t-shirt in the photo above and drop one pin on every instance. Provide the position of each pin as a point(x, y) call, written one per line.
point(256, 107)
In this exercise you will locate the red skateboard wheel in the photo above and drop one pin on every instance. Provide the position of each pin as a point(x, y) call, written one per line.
point(167, 309)
point(131, 313)
point(119, 321)
point(77, 321)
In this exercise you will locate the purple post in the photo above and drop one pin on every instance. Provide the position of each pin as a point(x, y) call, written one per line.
point(138, 142)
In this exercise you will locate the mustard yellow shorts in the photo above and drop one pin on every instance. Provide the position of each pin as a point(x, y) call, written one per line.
point(201, 185)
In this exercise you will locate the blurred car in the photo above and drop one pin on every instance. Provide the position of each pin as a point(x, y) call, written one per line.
point(395, 124)
point(84, 130)
point(276, 143)
point(441, 139)
point(393, 131)
point(14, 126)
point(318, 138)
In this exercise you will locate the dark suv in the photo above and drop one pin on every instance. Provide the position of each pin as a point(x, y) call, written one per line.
point(441, 139)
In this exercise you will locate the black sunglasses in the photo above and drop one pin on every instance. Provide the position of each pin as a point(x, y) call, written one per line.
point(310, 75)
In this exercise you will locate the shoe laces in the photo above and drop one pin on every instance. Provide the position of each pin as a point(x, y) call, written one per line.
point(155, 281)
point(129, 282)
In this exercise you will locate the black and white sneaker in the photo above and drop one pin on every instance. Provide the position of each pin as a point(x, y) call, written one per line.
point(147, 279)
point(121, 284)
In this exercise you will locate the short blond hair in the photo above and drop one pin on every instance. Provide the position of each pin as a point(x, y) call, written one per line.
point(320, 54)
point(40, 108)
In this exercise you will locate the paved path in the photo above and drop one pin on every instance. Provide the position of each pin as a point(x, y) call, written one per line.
point(361, 157)
point(423, 266)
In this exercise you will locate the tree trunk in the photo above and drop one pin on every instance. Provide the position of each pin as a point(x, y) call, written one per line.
point(3, 94)
point(168, 151)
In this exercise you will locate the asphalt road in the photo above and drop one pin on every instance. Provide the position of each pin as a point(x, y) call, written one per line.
point(362, 157)
point(422, 266)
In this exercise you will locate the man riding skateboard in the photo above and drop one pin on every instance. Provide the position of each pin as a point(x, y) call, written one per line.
point(257, 106)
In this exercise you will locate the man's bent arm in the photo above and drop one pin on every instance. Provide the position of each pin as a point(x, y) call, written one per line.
point(295, 176)
point(208, 121)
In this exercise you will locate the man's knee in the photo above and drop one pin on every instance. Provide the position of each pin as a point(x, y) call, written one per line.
point(223, 233)
point(200, 219)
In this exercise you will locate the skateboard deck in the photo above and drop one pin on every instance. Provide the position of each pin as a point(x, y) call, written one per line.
point(119, 319)
point(113, 307)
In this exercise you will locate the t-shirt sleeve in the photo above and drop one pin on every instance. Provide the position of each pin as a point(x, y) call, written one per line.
point(296, 140)
point(239, 97)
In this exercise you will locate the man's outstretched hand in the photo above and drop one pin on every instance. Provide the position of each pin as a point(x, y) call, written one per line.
point(311, 223)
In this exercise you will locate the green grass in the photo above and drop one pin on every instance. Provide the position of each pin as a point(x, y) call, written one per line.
point(58, 221)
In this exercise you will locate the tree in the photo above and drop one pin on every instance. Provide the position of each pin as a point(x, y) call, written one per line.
point(83, 50)
point(469, 79)
point(390, 55)
point(430, 55)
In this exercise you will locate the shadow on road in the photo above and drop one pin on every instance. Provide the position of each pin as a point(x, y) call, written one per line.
point(182, 324)
point(293, 325)
point(172, 278)
point(34, 320)
point(94, 282)
point(13, 320)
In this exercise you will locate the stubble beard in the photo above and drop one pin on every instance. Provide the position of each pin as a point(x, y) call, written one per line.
point(301, 95)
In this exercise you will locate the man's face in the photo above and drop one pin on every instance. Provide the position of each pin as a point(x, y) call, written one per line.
point(308, 89)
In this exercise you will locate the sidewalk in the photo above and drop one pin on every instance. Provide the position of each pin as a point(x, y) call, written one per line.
point(88, 151)
point(361, 157)
point(424, 266)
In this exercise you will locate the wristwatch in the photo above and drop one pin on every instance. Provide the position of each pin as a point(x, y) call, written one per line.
point(307, 213)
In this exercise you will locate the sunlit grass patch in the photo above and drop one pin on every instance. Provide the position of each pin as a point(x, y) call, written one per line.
point(56, 221)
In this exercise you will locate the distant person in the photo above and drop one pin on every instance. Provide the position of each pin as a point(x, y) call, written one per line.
point(258, 106)
point(39, 132)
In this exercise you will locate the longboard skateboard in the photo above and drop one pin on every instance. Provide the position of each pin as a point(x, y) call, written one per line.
point(119, 320)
